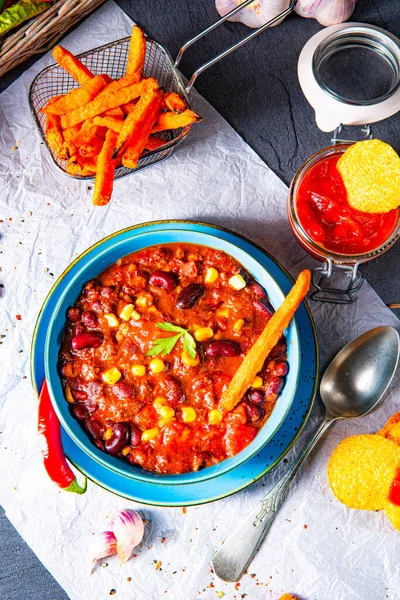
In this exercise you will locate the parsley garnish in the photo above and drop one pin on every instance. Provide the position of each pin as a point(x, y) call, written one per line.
point(165, 345)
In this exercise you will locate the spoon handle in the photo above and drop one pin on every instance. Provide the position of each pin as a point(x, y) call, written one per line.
point(241, 545)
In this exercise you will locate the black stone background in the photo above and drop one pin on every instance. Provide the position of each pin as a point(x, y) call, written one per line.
point(256, 90)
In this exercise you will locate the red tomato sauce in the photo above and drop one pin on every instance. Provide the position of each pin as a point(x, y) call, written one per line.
point(168, 284)
point(328, 218)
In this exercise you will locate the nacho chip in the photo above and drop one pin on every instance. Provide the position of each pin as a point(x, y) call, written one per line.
point(393, 514)
point(392, 429)
point(371, 174)
point(361, 470)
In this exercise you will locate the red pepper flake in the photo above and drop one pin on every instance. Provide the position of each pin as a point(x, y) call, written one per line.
point(163, 540)
point(129, 579)
point(211, 585)
point(184, 510)
point(113, 592)
point(18, 317)
point(237, 585)
point(158, 565)
point(305, 526)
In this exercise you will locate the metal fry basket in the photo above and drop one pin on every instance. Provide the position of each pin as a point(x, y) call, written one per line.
point(111, 59)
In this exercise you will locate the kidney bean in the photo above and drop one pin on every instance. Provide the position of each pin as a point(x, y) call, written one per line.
point(78, 411)
point(97, 306)
point(280, 368)
point(90, 319)
point(189, 296)
point(78, 329)
point(122, 390)
point(257, 289)
point(275, 386)
point(254, 413)
point(255, 396)
point(74, 314)
point(136, 435)
point(263, 308)
point(223, 348)
point(99, 444)
point(163, 279)
point(94, 428)
point(174, 391)
point(79, 395)
point(107, 292)
point(279, 350)
point(119, 438)
point(86, 340)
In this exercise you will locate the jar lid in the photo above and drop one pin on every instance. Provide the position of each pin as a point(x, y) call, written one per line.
point(350, 74)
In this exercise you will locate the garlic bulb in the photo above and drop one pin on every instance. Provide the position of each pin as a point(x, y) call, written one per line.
point(103, 545)
point(128, 528)
point(256, 14)
point(327, 12)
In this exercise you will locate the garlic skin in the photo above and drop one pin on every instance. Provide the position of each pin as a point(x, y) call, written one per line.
point(256, 14)
point(327, 12)
point(128, 528)
point(103, 545)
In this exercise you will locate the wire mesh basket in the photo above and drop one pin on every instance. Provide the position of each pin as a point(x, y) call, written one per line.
point(111, 59)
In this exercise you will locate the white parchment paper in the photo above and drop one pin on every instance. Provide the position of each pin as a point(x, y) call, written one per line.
point(316, 548)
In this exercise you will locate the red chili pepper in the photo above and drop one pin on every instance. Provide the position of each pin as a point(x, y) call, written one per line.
point(53, 454)
point(394, 492)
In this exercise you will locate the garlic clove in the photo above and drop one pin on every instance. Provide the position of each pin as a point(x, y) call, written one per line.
point(128, 528)
point(104, 544)
point(327, 12)
point(256, 14)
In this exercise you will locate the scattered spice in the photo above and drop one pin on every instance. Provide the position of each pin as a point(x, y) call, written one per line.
point(113, 592)
point(158, 565)
point(163, 540)
point(18, 317)
point(184, 510)
point(305, 526)
point(129, 579)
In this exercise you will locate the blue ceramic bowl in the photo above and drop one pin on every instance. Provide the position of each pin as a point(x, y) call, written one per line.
point(97, 258)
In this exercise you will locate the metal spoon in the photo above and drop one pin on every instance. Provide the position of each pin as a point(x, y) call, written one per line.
point(352, 386)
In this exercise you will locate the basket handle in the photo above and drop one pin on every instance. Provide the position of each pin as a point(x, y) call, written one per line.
point(252, 35)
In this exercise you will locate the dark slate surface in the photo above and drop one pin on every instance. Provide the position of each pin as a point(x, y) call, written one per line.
point(257, 91)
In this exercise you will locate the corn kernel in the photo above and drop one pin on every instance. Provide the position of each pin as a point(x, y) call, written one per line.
point(203, 333)
point(138, 370)
point(157, 365)
point(68, 395)
point(166, 412)
point(119, 336)
point(152, 309)
point(188, 414)
point(164, 422)
point(108, 433)
point(188, 361)
point(111, 320)
point(257, 382)
point(215, 416)
point(144, 301)
point(126, 312)
point(125, 451)
point(223, 312)
point(111, 376)
point(211, 275)
point(237, 282)
point(238, 325)
point(159, 401)
point(135, 316)
point(192, 257)
point(150, 434)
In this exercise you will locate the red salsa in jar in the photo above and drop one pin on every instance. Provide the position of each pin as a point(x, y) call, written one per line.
point(329, 220)
point(160, 411)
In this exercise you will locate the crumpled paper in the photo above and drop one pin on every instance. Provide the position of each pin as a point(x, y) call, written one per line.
point(317, 548)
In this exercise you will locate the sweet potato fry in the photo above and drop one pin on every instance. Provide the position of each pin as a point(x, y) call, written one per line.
point(118, 84)
point(173, 101)
point(137, 52)
point(72, 65)
point(93, 148)
point(100, 105)
point(103, 184)
point(76, 98)
point(143, 109)
point(128, 107)
point(154, 142)
point(139, 137)
point(170, 120)
point(261, 348)
point(54, 136)
point(113, 123)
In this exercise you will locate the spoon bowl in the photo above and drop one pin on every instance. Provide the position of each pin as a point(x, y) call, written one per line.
point(358, 377)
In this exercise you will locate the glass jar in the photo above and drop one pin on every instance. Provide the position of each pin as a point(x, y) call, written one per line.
point(338, 277)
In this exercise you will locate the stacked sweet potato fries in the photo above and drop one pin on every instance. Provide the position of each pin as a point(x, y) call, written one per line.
point(106, 123)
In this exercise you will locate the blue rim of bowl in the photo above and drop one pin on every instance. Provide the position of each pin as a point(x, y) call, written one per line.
point(125, 469)
point(259, 475)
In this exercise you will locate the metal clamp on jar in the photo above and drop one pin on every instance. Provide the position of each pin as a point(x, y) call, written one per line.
point(350, 74)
